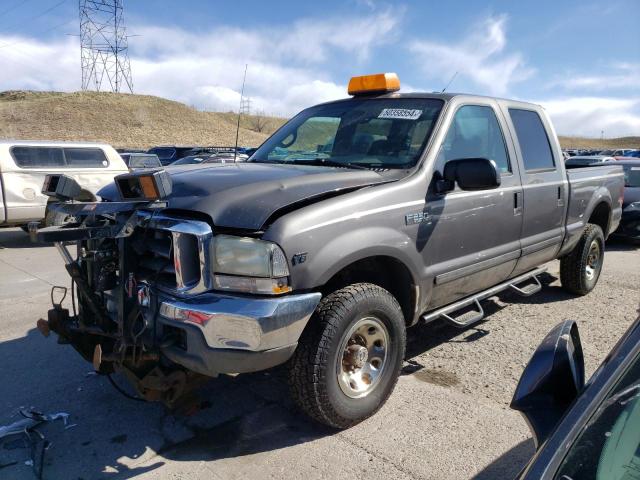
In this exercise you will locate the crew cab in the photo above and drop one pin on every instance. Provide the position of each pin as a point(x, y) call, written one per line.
point(356, 220)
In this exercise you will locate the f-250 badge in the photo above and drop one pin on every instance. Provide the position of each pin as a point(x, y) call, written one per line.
point(418, 217)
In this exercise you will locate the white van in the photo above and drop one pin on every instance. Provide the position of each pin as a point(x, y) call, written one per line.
point(24, 164)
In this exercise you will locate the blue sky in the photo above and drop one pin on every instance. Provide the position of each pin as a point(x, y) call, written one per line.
point(579, 59)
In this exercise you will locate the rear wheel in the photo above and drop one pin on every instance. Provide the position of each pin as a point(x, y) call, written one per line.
point(580, 269)
point(349, 356)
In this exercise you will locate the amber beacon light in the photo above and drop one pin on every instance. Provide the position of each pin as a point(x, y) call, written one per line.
point(376, 83)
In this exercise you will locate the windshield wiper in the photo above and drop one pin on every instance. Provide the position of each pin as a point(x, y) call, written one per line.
point(325, 162)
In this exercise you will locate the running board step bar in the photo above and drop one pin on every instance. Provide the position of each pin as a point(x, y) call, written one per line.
point(527, 289)
point(470, 317)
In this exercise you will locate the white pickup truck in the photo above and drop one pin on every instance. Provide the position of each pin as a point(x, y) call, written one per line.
point(24, 164)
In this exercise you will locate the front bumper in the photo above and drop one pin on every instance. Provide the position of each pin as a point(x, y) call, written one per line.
point(224, 333)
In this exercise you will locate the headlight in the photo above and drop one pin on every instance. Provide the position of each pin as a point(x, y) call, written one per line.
point(249, 265)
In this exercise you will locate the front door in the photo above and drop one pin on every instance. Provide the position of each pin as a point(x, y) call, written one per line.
point(476, 234)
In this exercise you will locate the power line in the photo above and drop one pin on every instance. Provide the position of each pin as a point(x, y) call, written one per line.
point(11, 9)
point(17, 42)
point(31, 19)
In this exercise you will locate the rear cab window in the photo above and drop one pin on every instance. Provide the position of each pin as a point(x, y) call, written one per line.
point(59, 157)
point(532, 137)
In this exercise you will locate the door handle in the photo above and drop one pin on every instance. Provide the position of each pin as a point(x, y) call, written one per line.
point(517, 203)
point(560, 199)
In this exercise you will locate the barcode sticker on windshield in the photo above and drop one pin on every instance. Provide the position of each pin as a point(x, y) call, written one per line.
point(400, 113)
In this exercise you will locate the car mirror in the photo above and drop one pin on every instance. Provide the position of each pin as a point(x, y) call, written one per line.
point(551, 381)
point(470, 174)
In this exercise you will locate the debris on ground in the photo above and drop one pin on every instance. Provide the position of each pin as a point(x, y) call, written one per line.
point(33, 439)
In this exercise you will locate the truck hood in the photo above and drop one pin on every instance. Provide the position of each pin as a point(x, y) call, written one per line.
point(246, 195)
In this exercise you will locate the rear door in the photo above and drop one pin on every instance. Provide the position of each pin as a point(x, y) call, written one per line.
point(476, 237)
point(544, 185)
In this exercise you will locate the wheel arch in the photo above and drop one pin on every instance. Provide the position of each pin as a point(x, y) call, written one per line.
point(386, 271)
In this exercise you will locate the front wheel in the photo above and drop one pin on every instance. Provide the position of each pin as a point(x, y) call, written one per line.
point(349, 357)
point(580, 269)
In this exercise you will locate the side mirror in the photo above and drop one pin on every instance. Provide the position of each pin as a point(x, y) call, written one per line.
point(551, 381)
point(470, 174)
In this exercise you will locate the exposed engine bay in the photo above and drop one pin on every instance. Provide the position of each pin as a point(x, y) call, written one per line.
point(120, 257)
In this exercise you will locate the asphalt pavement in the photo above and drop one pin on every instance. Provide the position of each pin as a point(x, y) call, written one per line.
point(447, 418)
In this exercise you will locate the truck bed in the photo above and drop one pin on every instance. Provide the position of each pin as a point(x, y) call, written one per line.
point(589, 186)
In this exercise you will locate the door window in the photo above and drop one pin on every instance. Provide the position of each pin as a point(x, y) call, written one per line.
point(533, 140)
point(475, 133)
point(609, 446)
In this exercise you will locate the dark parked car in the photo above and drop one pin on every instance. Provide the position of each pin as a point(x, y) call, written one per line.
point(582, 431)
point(210, 158)
point(170, 153)
point(633, 154)
point(630, 222)
point(135, 160)
point(586, 160)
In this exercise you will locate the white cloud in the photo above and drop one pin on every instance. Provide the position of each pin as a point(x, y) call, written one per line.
point(616, 76)
point(289, 65)
point(480, 57)
point(589, 116)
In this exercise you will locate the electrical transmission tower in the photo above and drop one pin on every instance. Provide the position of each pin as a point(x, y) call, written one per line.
point(245, 106)
point(103, 46)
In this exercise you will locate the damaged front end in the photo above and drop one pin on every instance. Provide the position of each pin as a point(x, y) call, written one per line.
point(143, 297)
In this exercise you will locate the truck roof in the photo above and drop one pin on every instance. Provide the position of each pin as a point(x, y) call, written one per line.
point(50, 143)
point(441, 96)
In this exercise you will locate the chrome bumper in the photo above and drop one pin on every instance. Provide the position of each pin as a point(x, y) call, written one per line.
point(252, 324)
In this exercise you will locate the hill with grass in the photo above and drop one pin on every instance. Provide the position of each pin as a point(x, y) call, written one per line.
point(142, 121)
point(122, 120)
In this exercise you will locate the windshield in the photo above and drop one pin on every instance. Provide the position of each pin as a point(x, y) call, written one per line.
point(163, 153)
point(631, 176)
point(608, 448)
point(373, 133)
point(144, 161)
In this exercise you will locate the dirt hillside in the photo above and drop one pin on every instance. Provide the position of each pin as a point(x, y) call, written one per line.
point(123, 120)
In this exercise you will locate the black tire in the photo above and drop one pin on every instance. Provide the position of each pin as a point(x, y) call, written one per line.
point(578, 272)
point(313, 377)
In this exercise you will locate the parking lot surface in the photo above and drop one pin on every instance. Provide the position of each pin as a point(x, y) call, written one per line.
point(447, 418)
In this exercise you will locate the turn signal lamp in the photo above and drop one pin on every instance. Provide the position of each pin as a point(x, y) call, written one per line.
point(150, 186)
point(377, 83)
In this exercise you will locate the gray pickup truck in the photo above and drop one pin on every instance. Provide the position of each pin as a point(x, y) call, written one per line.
point(357, 219)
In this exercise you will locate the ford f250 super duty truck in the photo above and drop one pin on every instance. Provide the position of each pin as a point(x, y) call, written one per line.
point(355, 220)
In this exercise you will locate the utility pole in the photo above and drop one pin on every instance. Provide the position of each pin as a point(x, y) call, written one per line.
point(103, 46)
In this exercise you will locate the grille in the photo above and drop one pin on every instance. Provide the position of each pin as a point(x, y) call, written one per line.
point(169, 259)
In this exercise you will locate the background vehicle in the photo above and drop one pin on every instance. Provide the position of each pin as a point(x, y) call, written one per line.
point(203, 158)
point(24, 165)
point(630, 221)
point(582, 161)
point(170, 153)
point(355, 220)
point(633, 154)
point(580, 431)
point(136, 160)
point(621, 152)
